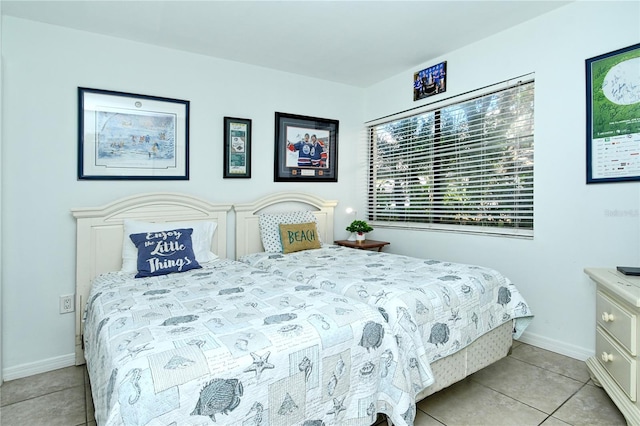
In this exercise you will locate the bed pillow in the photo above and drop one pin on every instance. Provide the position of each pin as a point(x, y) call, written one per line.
point(164, 252)
point(201, 240)
point(299, 236)
point(270, 233)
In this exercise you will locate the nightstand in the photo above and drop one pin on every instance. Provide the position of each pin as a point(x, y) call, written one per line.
point(362, 245)
point(615, 365)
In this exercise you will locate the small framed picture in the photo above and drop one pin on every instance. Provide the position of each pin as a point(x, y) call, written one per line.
point(430, 81)
point(237, 147)
point(306, 149)
point(132, 137)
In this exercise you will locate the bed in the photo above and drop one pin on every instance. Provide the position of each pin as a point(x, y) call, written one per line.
point(455, 319)
point(224, 343)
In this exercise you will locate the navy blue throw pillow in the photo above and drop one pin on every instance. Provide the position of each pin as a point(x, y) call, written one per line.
point(164, 252)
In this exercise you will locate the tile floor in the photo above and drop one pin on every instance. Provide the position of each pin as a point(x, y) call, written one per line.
point(531, 386)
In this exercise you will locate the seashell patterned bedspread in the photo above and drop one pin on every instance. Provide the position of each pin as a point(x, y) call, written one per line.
point(232, 345)
point(435, 308)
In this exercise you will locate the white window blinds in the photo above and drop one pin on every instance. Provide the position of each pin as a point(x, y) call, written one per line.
point(469, 163)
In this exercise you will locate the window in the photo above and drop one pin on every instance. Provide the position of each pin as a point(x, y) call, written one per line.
point(467, 166)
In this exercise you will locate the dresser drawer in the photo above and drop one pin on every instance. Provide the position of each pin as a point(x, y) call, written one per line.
point(618, 321)
point(617, 363)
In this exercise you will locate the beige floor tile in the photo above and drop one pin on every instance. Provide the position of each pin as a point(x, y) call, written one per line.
point(552, 421)
point(61, 408)
point(91, 412)
point(423, 419)
point(552, 361)
point(534, 386)
point(40, 384)
point(470, 403)
point(590, 406)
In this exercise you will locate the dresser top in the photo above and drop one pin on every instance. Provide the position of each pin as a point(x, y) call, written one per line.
point(625, 286)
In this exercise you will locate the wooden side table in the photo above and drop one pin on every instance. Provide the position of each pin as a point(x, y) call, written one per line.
point(362, 245)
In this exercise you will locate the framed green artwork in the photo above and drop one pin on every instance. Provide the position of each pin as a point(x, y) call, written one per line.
point(613, 116)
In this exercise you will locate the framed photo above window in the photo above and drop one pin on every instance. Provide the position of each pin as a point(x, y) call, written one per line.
point(124, 136)
point(237, 147)
point(430, 81)
point(306, 149)
point(613, 116)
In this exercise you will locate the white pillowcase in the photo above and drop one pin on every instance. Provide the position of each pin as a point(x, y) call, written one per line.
point(270, 230)
point(201, 239)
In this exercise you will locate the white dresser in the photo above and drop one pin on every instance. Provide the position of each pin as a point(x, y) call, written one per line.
point(615, 365)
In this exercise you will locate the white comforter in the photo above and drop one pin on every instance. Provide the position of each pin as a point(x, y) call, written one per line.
point(434, 308)
point(232, 345)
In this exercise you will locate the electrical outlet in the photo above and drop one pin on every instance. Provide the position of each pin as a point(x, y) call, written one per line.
point(66, 304)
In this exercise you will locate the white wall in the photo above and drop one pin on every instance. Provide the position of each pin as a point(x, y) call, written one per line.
point(44, 65)
point(576, 225)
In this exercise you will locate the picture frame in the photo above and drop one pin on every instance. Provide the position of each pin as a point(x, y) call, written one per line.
point(306, 149)
point(237, 147)
point(430, 81)
point(613, 116)
point(127, 136)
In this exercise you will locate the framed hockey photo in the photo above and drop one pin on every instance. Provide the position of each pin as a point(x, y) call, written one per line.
point(306, 149)
point(124, 136)
point(237, 147)
point(430, 81)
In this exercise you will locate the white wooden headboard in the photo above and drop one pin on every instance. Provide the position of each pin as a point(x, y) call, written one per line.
point(100, 233)
point(247, 221)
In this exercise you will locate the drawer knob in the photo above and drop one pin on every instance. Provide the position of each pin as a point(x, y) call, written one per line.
point(607, 357)
point(607, 317)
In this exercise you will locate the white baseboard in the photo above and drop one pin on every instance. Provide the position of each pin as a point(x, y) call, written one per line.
point(32, 368)
point(556, 346)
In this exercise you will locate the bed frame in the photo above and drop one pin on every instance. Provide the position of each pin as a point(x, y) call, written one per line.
point(486, 350)
point(99, 233)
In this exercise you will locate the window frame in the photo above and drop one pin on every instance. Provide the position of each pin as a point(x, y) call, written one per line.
point(436, 108)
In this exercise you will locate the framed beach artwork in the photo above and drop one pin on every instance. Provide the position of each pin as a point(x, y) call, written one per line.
point(125, 136)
